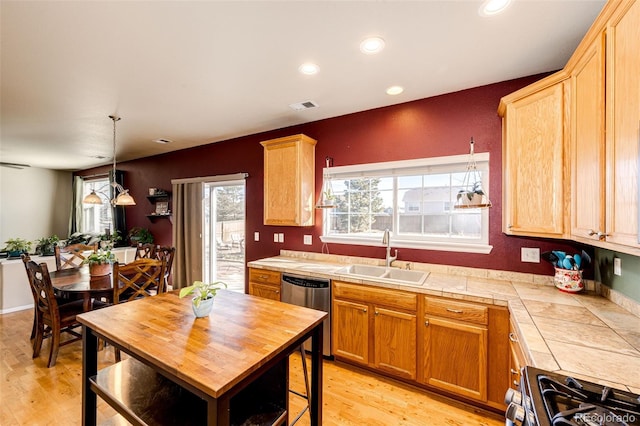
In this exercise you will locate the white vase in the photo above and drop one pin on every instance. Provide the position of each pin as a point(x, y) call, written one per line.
point(204, 309)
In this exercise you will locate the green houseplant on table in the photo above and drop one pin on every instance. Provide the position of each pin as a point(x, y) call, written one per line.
point(202, 302)
point(16, 246)
point(100, 262)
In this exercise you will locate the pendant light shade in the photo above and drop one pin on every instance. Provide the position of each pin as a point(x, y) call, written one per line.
point(121, 196)
point(92, 198)
point(327, 199)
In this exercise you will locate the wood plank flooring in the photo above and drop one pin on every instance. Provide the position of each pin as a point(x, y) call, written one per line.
point(32, 394)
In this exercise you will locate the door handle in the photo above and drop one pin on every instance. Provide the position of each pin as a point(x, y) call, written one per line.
point(455, 311)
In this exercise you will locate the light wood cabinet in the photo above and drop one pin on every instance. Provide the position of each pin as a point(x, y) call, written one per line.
point(264, 283)
point(455, 351)
point(535, 161)
point(623, 124)
point(588, 145)
point(375, 327)
point(289, 181)
point(516, 360)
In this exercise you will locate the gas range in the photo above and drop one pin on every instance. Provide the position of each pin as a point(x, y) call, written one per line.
point(551, 399)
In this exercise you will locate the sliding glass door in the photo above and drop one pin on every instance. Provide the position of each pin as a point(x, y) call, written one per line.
point(224, 233)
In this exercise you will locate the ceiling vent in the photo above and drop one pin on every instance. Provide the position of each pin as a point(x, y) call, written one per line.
point(303, 105)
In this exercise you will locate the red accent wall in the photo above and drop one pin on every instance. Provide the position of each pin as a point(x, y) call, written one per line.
point(432, 127)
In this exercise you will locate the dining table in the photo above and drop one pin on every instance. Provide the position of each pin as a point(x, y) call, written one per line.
point(78, 283)
point(229, 368)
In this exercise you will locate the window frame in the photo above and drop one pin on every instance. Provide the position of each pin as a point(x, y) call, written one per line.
point(445, 164)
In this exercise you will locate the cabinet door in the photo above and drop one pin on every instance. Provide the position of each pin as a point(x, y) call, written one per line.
point(623, 124)
point(395, 342)
point(588, 145)
point(289, 181)
point(266, 291)
point(534, 164)
point(351, 331)
point(455, 357)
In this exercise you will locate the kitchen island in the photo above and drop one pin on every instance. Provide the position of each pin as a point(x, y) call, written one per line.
point(228, 368)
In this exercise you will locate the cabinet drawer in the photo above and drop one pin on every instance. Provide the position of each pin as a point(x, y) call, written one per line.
point(264, 276)
point(454, 309)
point(390, 298)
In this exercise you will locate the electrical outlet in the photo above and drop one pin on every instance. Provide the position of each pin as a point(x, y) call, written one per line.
point(256, 236)
point(617, 266)
point(275, 237)
point(307, 240)
point(281, 237)
point(531, 255)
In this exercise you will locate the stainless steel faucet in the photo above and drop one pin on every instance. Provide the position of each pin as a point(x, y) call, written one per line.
point(386, 240)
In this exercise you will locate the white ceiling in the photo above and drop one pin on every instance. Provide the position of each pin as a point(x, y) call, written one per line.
point(197, 72)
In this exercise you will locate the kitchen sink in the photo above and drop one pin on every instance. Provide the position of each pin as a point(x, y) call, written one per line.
point(380, 273)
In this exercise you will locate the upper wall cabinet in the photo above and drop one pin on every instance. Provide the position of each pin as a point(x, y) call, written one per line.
point(623, 124)
point(289, 181)
point(535, 160)
point(588, 145)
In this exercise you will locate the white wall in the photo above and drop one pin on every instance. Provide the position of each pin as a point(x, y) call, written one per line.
point(34, 203)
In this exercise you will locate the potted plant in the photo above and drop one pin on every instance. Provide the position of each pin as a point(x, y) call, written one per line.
point(109, 240)
point(471, 196)
point(202, 302)
point(45, 246)
point(16, 246)
point(140, 235)
point(100, 262)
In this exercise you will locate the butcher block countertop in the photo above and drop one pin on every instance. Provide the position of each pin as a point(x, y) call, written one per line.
point(584, 335)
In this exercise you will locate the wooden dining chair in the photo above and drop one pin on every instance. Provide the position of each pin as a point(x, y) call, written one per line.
point(145, 251)
point(72, 255)
point(51, 318)
point(167, 253)
point(140, 278)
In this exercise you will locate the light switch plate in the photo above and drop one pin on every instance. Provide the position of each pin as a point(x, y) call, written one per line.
point(281, 237)
point(531, 255)
point(275, 237)
point(617, 266)
point(256, 236)
point(307, 240)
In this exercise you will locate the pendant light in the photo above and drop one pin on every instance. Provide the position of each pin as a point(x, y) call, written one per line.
point(471, 195)
point(121, 196)
point(327, 199)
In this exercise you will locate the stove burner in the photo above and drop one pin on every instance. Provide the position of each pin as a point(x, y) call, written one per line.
point(560, 400)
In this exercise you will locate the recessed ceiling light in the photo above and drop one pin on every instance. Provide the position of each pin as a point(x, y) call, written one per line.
point(308, 68)
point(372, 45)
point(162, 141)
point(395, 90)
point(493, 7)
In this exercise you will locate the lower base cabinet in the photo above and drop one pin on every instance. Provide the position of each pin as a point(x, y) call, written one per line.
point(457, 347)
point(375, 327)
point(264, 283)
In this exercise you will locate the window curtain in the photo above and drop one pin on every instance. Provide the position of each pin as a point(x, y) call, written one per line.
point(75, 219)
point(187, 233)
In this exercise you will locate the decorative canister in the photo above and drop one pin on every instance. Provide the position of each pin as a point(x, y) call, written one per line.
point(569, 280)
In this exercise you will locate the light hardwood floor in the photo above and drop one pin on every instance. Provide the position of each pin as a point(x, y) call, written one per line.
point(32, 394)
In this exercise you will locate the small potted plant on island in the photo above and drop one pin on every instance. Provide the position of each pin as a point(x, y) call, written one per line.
point(45, 246)
point(100, 262)
point(202, 302)
point(16, 246)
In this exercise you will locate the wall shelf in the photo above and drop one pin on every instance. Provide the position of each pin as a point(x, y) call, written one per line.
point(162, 206)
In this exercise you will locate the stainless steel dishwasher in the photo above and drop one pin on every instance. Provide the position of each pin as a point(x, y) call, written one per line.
point(314, 293)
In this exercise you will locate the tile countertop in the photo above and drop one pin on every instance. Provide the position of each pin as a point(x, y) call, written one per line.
point(584, 335)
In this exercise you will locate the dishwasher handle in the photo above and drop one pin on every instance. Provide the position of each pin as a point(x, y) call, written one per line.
point(307, 282)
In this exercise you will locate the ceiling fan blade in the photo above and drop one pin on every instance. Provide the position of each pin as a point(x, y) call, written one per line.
point(14, 165)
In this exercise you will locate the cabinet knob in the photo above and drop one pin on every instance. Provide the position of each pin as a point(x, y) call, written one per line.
point(513, 338)
point(455, 311)
point(426, 322)
point(364, 310)
point(513, 371)
point(516, 384)
point(376, 313)
point(277, 291)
